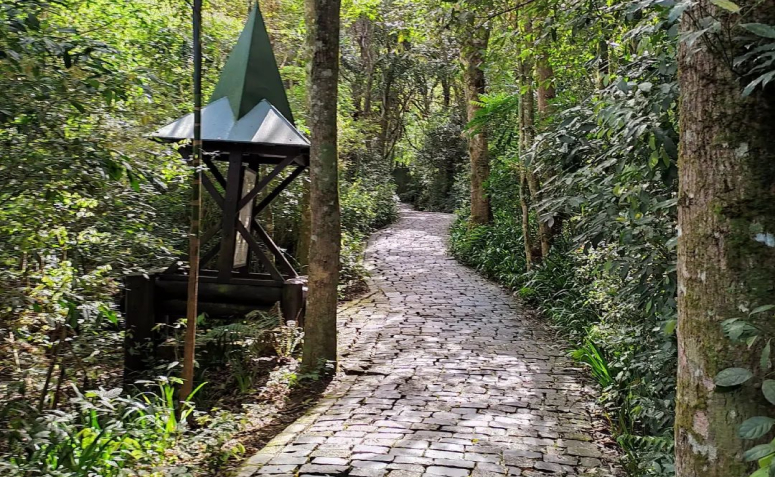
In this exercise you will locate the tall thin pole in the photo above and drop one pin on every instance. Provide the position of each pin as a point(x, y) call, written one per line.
point(196, 211)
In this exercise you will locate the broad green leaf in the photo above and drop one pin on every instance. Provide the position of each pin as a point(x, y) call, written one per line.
point(732, 377)
point(755, 427)
point(761, 309)
point(726, 5)
point(758, 452)
point(768, 389)
point(670, 327)
point(765, 362)
point(760, 29)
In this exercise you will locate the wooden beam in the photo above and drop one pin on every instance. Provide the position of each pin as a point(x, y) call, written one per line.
point(264, 182)
point(212, 190)
point(215, 172)
point(211, 276)
point(229, 216)
point(221, 292)
point(269, 243)
point(209, 255)
point(252, 243)
point(277, 190)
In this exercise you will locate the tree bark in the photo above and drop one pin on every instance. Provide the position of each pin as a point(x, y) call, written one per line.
point(189, 344)
point(524, 202)
point(526, 138)
point(325, 244)
point(726, 244)
point(601, 71)
point(545, 93)
point(445, 91)
point(305, 228)
point(473, 48)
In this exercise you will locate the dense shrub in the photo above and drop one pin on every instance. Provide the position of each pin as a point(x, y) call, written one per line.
point(108, 433)
point(435, 169)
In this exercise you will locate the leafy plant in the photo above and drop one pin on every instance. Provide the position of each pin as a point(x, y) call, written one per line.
point(756, 427)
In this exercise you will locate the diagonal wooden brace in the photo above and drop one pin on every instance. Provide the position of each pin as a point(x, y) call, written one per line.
point(212, 190)
point(247, 198)
point(256, 248)
point(277, 190)
point(215, 172)
point(279, 255)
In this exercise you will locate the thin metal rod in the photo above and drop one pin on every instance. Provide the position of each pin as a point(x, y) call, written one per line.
point(196, 211)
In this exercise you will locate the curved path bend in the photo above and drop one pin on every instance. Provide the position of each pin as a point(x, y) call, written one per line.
point(444, 375)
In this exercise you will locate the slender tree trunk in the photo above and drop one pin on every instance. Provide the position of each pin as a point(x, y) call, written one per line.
point(445, 91)
point(323, 75)
point(602, 64)
point(525, 139)
point(524, 201)
point(545, 93)
point(526, 136)
point(196, 213)
point(545, 75)
point(726, 241)
point(474, 46)
point(384, 117)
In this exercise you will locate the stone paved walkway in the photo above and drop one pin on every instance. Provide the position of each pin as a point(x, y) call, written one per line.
point(443, 376)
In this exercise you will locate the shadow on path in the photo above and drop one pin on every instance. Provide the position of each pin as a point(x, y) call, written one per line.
point(445, 376)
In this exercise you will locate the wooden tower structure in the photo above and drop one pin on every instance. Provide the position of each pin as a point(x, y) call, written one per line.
point(247, 127)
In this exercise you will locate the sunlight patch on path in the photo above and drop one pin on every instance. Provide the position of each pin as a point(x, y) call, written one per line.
point(443, 375)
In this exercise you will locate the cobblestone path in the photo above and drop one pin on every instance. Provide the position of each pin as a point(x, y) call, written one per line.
point(443, 375)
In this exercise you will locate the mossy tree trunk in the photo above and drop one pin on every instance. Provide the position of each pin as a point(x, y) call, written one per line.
point(526, 133)
point(545, 93)
point(726, 245)
point(474, 39)
point(325, 243)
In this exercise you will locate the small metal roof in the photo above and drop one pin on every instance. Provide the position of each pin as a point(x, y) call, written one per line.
point(250, 74)
point(249, 104)
point(263, 124)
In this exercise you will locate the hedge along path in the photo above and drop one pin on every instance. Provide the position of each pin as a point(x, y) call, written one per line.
point(443, 375)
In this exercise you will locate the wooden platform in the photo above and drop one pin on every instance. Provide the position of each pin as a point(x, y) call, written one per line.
point(160, 299)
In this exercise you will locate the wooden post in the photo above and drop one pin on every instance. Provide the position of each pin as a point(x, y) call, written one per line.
point(140, 318)
point(196, 212)
point(229, 216)
point(294, 296)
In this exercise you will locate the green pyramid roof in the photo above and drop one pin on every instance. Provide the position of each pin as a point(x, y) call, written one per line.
point(251, 74)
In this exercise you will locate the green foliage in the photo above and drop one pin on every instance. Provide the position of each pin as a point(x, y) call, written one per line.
point(436, 166)
point(105, 434)
point(366, 205)
point(591, 355)
point(741, 332)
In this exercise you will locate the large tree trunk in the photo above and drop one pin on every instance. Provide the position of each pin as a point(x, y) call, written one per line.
point(323, 75)
point(305, 228)
point(726, 249)
point(474, 46)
